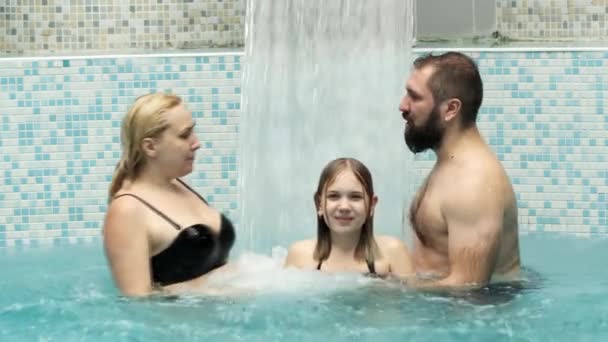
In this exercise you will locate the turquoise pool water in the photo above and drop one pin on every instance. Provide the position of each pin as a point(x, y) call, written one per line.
point(66, 294)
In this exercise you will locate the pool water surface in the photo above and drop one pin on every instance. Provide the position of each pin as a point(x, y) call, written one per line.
point(66, 294)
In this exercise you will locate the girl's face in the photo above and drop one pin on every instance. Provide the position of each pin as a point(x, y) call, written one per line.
point(345, 204)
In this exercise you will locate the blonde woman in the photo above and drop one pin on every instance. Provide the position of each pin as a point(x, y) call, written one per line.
point(159, 234)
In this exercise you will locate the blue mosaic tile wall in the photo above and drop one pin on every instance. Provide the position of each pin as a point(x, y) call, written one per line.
point(544, 115)
point(104, 26)
point(59, 136)
point(579, 20)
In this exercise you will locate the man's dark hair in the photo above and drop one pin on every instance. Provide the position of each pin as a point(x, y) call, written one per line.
point(455, 75)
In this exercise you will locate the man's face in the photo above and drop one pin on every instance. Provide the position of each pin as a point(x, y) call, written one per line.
point(423, 129)
point(427, 136)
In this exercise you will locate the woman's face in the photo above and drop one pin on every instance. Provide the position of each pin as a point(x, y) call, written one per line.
point(344, 205)
point(176, 147)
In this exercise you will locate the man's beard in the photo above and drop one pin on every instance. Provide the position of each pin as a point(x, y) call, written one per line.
point(420, 139)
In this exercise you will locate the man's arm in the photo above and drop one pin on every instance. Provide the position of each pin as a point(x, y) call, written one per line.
point(474, 220)
point(474, 232)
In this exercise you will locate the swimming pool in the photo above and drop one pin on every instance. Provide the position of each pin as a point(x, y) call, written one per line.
point(543, 114)
point(67, 294)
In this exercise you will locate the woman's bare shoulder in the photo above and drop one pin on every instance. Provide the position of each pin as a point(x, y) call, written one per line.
point(124, 211)
point(124, 206)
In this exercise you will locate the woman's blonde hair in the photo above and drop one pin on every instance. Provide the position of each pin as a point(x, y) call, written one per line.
point(367, 249)
point(144, 119)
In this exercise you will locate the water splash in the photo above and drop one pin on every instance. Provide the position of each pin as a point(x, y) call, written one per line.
point(256, 274)
point(322, 79)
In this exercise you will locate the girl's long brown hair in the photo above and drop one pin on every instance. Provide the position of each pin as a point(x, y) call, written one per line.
point(366, 249)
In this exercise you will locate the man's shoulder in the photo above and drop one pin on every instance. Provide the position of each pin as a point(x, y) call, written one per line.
point(479, 180)
point(479, 167)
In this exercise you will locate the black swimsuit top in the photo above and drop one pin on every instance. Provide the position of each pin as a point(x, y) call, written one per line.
point(195, 251)
point(370, 267)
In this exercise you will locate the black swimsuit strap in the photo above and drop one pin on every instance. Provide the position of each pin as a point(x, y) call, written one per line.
point(370, 266)
point(189, 188)
point(160, 213)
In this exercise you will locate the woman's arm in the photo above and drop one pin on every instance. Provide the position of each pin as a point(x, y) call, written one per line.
point(127, 247)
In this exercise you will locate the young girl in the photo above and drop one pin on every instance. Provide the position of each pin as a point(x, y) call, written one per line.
point(345, 203)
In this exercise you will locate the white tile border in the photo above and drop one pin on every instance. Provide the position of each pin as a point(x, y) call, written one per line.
point(141, 55)
point(511, 49)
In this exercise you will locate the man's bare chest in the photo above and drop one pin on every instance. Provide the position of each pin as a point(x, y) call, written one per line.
point(426, 217)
